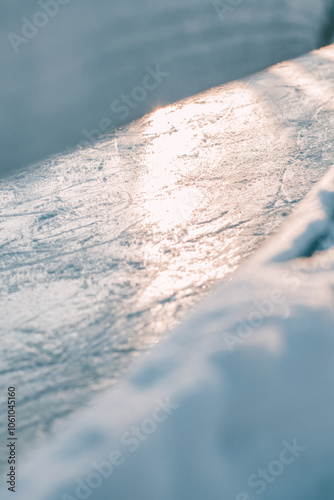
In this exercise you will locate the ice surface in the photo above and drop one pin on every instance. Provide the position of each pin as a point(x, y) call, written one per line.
point(105, 249)
point(244, 384)
point(241, 391)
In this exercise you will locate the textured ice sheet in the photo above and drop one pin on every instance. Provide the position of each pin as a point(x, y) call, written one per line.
point(237, 403)
point(105, 249)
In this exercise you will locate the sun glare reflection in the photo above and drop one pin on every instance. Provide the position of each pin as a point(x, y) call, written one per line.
point(170, 198)
point(176, 154)
point(192, 168)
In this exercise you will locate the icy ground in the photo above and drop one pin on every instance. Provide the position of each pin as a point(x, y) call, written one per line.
point(105, 249)
point(70, 74)
point(239, 401)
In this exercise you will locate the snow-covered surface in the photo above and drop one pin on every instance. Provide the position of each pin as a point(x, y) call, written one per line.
point(248, 376)
point(238, 401)
point(69, 74)
point(105, 249)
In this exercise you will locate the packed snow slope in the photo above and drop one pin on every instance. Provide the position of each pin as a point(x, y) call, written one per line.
point(73, 69)
point(105, 249)
point(237, 403)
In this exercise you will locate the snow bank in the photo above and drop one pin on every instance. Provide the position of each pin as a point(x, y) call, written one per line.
point(236, 404)
point(69, 63)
